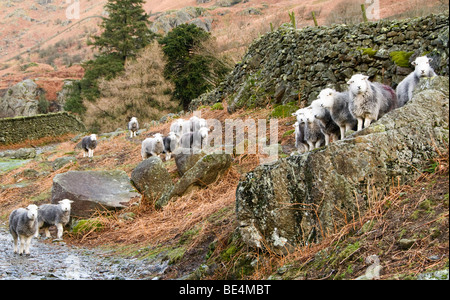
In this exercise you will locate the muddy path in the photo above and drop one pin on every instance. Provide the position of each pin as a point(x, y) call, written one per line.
point(57, 260)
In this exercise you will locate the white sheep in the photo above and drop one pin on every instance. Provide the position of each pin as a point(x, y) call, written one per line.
point(338, 106)
point(170, 144)
point(133, 126)
point(177, 126)
point(369, 101)
point(23, 225)
point(195, 140)
point(152, 146)
point(328, 127)
point(406, 87)
point(313, 134)
point(54, 214)
point(89, 143)
point(197, 123)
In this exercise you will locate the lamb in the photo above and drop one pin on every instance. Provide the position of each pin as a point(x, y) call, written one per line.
point(152, 146)
point(89, 143)
point(328, 127)
point(170, 144)
point(54, 214)
point(23, 225)
point(338, 106)
point(313, 134)
point(406, 87)
point(133, 126)
point(369, 101)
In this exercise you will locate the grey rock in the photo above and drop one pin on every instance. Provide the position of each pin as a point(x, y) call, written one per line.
point(151, 179)
point(92, 190)
point(21, 99)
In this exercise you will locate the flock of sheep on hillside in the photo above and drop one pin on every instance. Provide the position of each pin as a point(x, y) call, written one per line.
point(334, 113)
point(327, 118)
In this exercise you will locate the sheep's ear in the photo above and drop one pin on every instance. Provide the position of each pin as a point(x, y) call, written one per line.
point(414, 63)
point(349, 81)
point(294, 114)
point(366, 78)
point(430, 59)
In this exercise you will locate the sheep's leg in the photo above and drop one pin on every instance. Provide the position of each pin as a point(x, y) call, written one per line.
point(311, 146)
point(367, 122)
point(60, 231)
point(84, 153)
point(360, 124)
point(131, 134)
point(15, 243)
point(22, 244)
point(47, 233)
point(318, 143)
point(327, 140)
point(168, 156)
point(342, 128)
point(27, 245)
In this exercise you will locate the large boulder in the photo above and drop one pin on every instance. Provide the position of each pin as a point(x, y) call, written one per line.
point(303, 198)
point(185, 160)
point(92, 190)
point(21, 99)
point(203, 173)
point(152, 179)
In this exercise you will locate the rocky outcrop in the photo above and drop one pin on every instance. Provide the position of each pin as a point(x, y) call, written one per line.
point(188, 15)
point(21, 99)
point(295, 64)
point(303, 198)
point(93, 190)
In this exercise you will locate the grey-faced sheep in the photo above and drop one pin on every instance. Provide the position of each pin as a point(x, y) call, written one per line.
point(177, 127)
point(330, 129)
point(54, 214)
point(197, 123)
point(313, 134)
point(338, 105)
point(170, 144)
point(133, 126)
point(23, 225)
point(89, 143)
point(406, 87)
point(152, 146)
point(195, 140)
point(369, 101)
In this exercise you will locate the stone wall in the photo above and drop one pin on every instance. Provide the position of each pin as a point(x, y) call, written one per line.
point(18, 129)
point(291, 64)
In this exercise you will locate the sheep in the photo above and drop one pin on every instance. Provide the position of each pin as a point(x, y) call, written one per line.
point(170, 144)
point(313, 134)
point(338, 105)
point(195, 140)
point(23, 225)
point(152, 146)
point(328, 127)
point(89, 143)
point(54, 214)
point(299, 133)
point(133, 126)
point(177, 127)
point(406, 87)
point(197, 123)
point(369, 101)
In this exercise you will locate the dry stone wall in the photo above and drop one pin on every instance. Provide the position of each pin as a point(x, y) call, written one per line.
point(19, 129)
point(287, 64)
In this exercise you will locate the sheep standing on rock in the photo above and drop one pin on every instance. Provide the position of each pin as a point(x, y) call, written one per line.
point(299, 132)
point(133, 126)
point(406, 87)
point(170, 144)
point(369, 101)
point(328, 127)
point(23, 225)
point(89, 143)
point(152, 146)
point(338, 106)
point(54, 214)
point(313, 134)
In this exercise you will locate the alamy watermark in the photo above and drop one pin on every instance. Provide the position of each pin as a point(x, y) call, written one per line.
point(373, 9)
